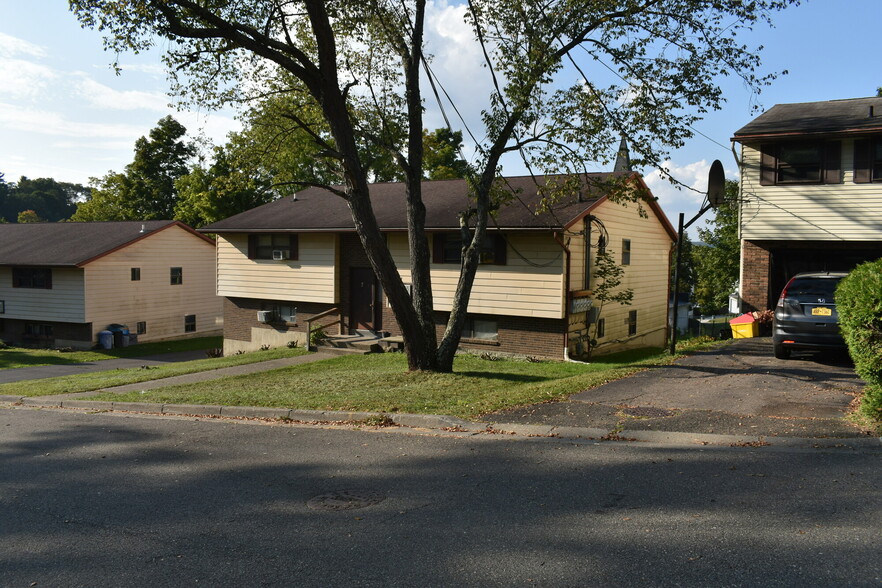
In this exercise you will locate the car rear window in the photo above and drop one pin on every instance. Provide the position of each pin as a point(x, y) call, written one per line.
point(801, 288)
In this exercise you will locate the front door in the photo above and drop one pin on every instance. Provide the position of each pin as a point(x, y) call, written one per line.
point(362, 299)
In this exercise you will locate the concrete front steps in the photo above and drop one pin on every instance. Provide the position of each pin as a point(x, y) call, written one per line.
point(360, 344)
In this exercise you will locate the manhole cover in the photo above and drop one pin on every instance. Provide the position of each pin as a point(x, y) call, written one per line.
point(345, 500)
point(647, 411)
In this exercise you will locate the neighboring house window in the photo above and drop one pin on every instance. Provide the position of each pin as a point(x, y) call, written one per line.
point(32, 277)
point(262, 246)
point(190, 323)
point(36, 330)
point(2, 306)
point(632, 322)
point(485, 330)
point(601, 328)
point(142, 327)
point(868, 160)
point(626, 251)
point(282, 312)
point(801, 162)
point(177, 276)
point(136, 274)
point(447, 248)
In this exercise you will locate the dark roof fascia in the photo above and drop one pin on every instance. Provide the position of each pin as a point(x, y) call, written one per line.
point(49, 265)
point(841, 134)
point(206, 238)
point(490, 227)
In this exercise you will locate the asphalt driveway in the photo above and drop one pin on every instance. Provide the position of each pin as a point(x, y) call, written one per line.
point(736, 389)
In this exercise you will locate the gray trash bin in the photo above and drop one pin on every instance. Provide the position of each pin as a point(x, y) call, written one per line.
point(105, 339)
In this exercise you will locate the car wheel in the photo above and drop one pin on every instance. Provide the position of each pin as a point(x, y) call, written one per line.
point(781, 352)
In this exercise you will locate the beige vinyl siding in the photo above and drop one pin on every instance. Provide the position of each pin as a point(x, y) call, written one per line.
point(64, 302)
point(112, 296)
point(647, 273)
point(575, 243)
point(817, 212)
point(311, 278)
point(515, 289)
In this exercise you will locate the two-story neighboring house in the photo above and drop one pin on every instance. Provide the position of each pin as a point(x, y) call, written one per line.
point(63, 283)
point(811, 193)
point(285, 262)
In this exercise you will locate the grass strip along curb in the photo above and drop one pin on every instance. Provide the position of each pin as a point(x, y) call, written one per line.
point(381, 384)
point(118, 377)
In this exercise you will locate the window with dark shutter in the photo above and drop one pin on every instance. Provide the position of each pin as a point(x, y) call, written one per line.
point(801, 162)
point(868, 160)
point(447, 248)
point(262, 246)
point(768, 165)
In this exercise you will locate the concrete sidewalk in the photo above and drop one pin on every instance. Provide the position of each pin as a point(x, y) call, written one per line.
point(52, 371)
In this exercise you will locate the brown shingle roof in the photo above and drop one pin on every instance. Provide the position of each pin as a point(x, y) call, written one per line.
point(316, 209)
point(830, 117)
point(70, 244)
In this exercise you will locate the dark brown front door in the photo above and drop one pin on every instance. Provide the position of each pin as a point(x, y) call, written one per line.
point(362, 299)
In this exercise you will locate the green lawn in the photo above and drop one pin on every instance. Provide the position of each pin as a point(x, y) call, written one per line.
point(382, 383)
point(118, 377)
point(16, 357)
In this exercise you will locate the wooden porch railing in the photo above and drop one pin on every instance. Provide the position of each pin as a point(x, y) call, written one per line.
point(321, 315)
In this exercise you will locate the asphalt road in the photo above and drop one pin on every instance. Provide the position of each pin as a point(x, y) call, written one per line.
point(117, 500)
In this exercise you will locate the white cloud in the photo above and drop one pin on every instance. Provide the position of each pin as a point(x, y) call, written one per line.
point(45, 122)
point(24, 79)
point(11, 46)
point(458, 63)
point(105, 97)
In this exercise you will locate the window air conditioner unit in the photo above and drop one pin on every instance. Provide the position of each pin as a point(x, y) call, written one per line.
point(280, 254)
point(264, 316)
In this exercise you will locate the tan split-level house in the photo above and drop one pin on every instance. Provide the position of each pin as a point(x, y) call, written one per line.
point(285, 262)
point(811, 193)
point(63, 283)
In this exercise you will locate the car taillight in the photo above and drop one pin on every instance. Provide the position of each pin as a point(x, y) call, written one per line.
point(784, 294)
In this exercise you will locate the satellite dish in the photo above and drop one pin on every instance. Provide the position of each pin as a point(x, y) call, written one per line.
point(716, 184)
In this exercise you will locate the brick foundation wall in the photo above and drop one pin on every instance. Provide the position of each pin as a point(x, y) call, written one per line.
point(755, 271)
point(517, 335)
point(63, 334)
point(240, 317)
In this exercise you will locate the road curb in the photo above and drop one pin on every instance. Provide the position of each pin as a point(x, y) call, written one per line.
point(449, 423)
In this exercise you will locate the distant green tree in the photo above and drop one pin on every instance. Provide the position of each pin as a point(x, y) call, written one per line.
point(209, 194)
point(29, 216)
point(717, 260)
point(146, 189)
point(441, 160)
point(52, 200)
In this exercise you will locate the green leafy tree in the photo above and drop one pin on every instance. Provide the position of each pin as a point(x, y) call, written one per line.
point(360, 65)
point(146, 189)
point(717, 260)
point(442, 159)
point(29, 216)
point(50, 199)
point(209, 194)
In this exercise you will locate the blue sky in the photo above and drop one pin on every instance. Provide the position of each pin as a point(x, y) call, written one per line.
point(65, 114)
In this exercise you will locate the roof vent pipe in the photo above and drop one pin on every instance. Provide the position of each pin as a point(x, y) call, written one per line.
point(871, 111)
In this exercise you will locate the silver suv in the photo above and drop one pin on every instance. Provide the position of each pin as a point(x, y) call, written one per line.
point(806, 316)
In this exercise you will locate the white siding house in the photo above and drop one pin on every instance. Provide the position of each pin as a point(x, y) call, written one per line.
point(63, 283)
point(810, 194)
